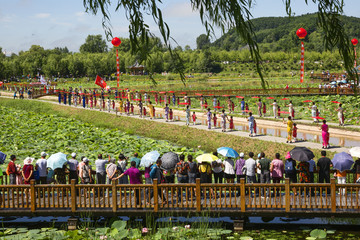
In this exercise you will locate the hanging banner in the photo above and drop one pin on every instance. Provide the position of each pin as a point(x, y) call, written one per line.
point(117, 67)
point(302, 62)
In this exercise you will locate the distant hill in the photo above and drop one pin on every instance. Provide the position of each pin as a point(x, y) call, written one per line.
point(279, 33)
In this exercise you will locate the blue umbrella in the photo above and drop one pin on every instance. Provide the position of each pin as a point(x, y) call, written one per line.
point(342, 161)
point(2, 157)
point(343, 81)
point(149, 158)
point(333, 83)
point(227, 152)
point(56, 160)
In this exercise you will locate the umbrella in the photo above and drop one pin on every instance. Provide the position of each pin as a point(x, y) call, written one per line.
point(227, 152)
point(239, 97)
point(355, 152)
point(333, 82)
point(255, 97)
point(183, 103)
point(270, 98)
point(56, 160)
point(283, 112)
point(169, 161)
point(318, 117)
point(335, 102)
point(149, 158)
point(171, 92)
point(301, 154)
point(162, 92)
point(183, 93)
point(198, 94)
point(307, 101)
point(218, 107)
point(343, 81)
point(207, 157)
point(284, 98)
point(210, 94)
point(2, 157)
point(342, 161)
point(225, 95)
point(204, 105)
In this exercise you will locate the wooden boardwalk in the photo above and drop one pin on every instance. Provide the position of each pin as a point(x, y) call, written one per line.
point(283, 199)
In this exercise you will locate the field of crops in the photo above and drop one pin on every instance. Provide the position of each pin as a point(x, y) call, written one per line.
point(26, 133)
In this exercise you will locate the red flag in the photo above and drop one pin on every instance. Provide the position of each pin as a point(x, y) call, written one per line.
point(100, 82)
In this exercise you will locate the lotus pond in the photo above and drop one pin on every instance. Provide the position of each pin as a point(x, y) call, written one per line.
point(26, 133)
point(119, 229)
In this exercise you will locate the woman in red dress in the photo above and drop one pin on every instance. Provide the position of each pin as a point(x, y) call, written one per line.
point(28, 170)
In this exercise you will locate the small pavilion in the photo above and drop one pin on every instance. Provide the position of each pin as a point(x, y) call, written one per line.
point(136, 69)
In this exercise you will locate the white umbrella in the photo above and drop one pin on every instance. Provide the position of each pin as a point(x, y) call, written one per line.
point(355, 152)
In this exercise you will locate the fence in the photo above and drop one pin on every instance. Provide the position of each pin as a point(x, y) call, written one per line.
point(227, 198)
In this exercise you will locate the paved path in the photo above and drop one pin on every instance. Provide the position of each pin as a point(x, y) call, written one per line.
point(236, 133)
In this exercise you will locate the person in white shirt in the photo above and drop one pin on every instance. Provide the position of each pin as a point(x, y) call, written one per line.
point(100, 170)
point(41, 166)
point(229, 170)
point(250, 165)
point(275, 108)
point(340, 111)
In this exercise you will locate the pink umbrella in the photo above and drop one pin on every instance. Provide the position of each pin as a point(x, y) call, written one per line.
point(240, 97)
point(285, 98)
point(170, 91)
point(199, 94)
point(335, 102)
point(226, 95)
point(270, 98)
point(284, 112)
point(318, 117)
point(183, 103)
point(307, 101)
point(183, 93)
point(255, 97)
point(162, 92)
point(218, 107)
point(211, 94)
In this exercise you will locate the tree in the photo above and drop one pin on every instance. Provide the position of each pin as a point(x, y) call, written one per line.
point(94, 44)
point(224, 14)
point(202, 41)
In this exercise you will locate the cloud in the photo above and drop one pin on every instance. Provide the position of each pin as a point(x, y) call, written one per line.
point(42, 15)
point(80, 14)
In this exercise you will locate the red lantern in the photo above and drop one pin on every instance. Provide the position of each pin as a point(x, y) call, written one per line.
point(301, 33)
point(116, 41)
point(354, 41)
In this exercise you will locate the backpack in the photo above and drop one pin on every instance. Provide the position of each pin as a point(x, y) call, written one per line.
point(193, 167)
point(289, 167)
point(153, 171)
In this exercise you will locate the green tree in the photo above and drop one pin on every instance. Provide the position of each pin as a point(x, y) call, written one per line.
point(94, 44)
point(202, 41)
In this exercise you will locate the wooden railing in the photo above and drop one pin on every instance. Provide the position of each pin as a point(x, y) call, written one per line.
point(284, 198)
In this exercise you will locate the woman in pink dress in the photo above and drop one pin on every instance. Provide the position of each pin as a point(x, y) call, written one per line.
point(325, 134)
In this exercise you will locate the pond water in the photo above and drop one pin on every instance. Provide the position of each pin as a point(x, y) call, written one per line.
point(335, 140)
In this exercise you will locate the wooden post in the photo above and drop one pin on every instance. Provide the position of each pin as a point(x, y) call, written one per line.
point(114, 195)
point(333, 195)
point(156, 195)
point(32, 195)
point(242, 194)
point(73, 195)
point(287, 195)
point(198, 195)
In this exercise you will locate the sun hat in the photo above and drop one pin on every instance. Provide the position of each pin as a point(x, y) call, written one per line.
point(242, 155)
point(28, 161)
point(73, 154)
point(288, 155)
point(85, 160)
point(44, 154)
point(259, 155)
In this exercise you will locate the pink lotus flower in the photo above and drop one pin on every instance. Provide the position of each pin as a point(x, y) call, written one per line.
point(187, 226)
point(144, 230)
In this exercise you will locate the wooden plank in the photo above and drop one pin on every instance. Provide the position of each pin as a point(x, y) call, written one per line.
point(242, 195)
point(73, 195)
point(287, 195)
point(156, 195)
point(198, 195)
point(114, 195)
point(333, 195)
point(32, 195)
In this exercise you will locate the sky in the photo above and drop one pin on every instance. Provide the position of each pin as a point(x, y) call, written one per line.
point(61, 23)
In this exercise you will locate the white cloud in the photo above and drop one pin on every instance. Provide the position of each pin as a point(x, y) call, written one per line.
point(42, 15)
point(80, 14)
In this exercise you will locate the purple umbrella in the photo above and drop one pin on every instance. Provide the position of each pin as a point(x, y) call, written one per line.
point(342, 161)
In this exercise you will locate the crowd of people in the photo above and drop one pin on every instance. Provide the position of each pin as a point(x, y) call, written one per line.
point(253, 168)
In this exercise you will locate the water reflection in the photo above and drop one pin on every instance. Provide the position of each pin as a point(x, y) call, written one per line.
point(335, 140)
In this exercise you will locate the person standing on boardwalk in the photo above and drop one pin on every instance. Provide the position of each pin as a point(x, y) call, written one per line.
point(340, 111)
point(157, 173)
point(41, 166)
point(111, 170)
point(193, 169)
point(356, 169)
point(323, 165)
point(242, 106)
point(259, 105)
point(251, 120)
point(275, 108)
point(140, 104)
point(239, 165)
point(28, 170)
point(182, 169)
point(214, 119)
point(11, 170)
point(264, 165)
point(100, 169)
point(70, 96)
point(59, 96)
point(173, 99)
point(73, 168)
point(229, 170)
point(289, 129)
point(122, 163)
point(277, 170)
point(214, 103)
point(325, 134)
point(136, 159)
